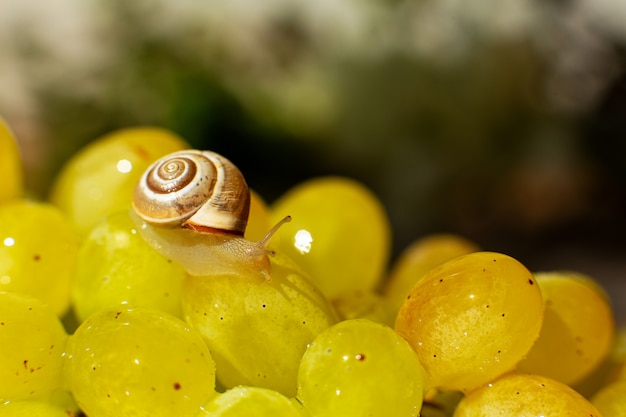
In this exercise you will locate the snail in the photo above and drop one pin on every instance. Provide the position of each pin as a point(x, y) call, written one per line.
point(192, 206)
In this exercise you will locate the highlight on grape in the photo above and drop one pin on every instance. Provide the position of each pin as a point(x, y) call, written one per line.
point(97, 318)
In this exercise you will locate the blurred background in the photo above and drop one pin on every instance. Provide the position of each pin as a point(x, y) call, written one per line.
point(500, 120)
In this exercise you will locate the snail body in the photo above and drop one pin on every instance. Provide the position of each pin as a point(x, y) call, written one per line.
point(192, 206)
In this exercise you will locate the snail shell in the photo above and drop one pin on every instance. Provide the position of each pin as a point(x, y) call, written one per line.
point(200, 190)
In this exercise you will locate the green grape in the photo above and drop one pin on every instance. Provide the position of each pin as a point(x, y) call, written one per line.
point(257, 330)
point(32, 342)
point(38, 249)
point(471, 319)
point(527, 395)
point(138, 362)
point(577, 331)
point(365, 304)
point(116, 267)
point(611, 400)
point(100, 179)
point(259, 220)
point(340, 234)
point(420, 257)
point(36, 408)
point(360, 368)
point(10, 165)
point(250, 402)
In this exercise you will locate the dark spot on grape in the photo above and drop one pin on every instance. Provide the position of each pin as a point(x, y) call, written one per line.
point(221, 318)
point(176, 386)
point(108, 395)
point(579, 339)
point(484, 269)
point(30, 308)
point(441, 280)
point(543, 385)
point(487, 306)
point(118, 314)
point(303, 322)
point(434, 356)
point(1, 323)
point(408, 297)
point(579, 352)
point(263, 305)
point(530, 281)
point(169, 261)
point(93, 368)
point(503, 314)
point(36, 257)
point(517, 392)
point(25, 363)
point(499, 351)
point(494, 260)
point(360, 357)
point(153, 388)
point(328, 350)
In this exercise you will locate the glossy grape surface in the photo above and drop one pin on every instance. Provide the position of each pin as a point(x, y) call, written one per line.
point(419, 258)
point(10, 165)
point(138, 362)
point(257, 330)
point(31, 349)
point(339, 233)
point(578, 328)
point(250, 402)
point(100, 179)
point(526, 395)
point(38, 250)
point(360, 368)
point(117, 268)
point(471, 319)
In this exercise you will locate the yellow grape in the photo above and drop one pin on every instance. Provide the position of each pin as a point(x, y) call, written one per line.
point(359, 368)
point(257, 330)
point(365, 304)
point(420, 257)
point(471, 319)
point(31, 349)
point(578, 328)
point(243, 401)
point(100, 179)
point(138, 362)
point(611, 400)
point(339, 233)
point(38, 250)
point(527, 395)
point(116, 268)
point(10, 165)
point(33, 409)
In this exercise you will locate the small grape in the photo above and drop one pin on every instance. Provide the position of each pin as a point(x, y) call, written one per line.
point(10, 165)
point(100, 179)
point(250, 402)
point(518, 394)
point(611, 400)
point(116, 268)
point(577, 331)
point(138, 362)
point(31, 349)
point(38, 250)
point(420, 257)
point(365, 304)
point(471, 319)
point(340, 234)
point(360, 368)
point(257, 330)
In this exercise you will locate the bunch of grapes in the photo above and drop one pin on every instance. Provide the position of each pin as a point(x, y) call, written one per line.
point(103, 314)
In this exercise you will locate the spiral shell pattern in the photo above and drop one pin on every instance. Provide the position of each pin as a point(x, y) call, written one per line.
point(196, 189)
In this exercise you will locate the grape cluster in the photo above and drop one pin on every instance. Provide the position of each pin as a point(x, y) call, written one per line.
point(96, 318)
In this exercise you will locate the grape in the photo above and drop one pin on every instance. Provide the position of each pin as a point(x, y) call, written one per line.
point(365, 304)
point(471, 319)
point(100, 179)
point(33, 408)
point(578, 328)
point(420, 257)
point(611, 400)
point(32, 342)
point(116, 267)
point(259, 220)
point(10, 165)
point(38, 250)
point(138, 362)
point(257, 330)
point(339, 234)
point(360, 368)
point(250, 402)
point(518, 394)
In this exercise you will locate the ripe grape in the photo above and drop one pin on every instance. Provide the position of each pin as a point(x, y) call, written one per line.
point(340, 234)
point(471, 319)
point(257, 330)
point(10, 165)
point(100, 179)
point(360, 368)
point(577, 331)
point(611, 400)
point(419, 258)
point(33, 408)
point(519, 394)
point(138, 362)
point(38, 250)
point(31, 349)
point(116, 268)
point(365, 304)
point(250, 402)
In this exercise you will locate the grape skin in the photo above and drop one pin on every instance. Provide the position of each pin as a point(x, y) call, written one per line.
point(611, 399)
point(250, 402)
point(10, 165)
